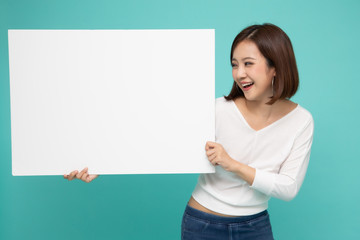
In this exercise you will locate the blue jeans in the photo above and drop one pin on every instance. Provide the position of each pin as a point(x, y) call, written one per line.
point(198, 225)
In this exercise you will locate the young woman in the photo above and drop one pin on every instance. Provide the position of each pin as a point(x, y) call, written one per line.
point(263, 142)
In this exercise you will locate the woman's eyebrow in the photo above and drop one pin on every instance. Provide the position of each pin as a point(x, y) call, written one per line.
point(244, 58)
point(248, 58)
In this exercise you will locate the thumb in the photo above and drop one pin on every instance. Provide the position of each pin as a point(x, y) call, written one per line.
point(210, 144)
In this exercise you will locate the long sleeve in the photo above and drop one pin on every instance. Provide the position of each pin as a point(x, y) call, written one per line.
point(279, 154)
point(287, 182)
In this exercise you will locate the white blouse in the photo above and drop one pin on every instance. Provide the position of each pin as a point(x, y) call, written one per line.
point(279, 152)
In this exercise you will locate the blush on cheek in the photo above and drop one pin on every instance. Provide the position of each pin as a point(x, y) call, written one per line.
point(234, 75)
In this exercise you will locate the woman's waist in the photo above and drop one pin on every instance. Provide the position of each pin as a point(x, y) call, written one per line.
point(195, 209)
point(239, 202)
point(194, 204)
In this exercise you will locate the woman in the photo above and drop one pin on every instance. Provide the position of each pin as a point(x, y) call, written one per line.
point(263, 142)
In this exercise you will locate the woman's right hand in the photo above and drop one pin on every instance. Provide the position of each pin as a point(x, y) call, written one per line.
point(83, 175)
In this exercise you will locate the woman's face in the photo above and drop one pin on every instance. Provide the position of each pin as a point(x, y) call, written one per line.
point(251, 72)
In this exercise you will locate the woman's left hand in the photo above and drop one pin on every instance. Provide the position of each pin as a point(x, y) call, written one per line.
point(218, 156)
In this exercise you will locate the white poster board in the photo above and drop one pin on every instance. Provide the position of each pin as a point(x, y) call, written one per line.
point(115, 101)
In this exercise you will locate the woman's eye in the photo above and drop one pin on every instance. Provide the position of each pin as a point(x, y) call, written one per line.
point(248, 63)
point(233, 65)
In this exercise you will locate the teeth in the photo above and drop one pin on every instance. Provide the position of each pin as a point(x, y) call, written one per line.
point(246, 84)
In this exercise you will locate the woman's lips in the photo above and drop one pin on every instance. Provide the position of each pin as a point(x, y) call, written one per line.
point(247, 88)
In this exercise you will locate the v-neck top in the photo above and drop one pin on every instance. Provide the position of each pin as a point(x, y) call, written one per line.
point(279, 152)
point(268, 126)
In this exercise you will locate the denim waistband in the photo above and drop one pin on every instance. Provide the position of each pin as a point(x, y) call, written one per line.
point(221, 219)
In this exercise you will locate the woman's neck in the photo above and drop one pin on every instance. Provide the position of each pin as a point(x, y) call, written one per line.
point(261, 109)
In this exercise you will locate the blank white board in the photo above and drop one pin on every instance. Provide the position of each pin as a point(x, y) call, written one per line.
point(116, 101)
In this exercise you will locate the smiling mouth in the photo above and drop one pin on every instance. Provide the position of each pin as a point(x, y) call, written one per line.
point(246, 86)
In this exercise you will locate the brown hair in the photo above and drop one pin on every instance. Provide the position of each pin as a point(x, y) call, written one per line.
point(276, 47)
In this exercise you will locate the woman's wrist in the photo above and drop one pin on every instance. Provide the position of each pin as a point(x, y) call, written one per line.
point(244, 171)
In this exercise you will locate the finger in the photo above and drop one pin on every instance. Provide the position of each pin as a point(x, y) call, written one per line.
point(210, 152)
point(79, 175)
point(212, 157)
point(213, 162)
point(65, 176)
point(84, 176)
point(72, 175)
point(210, 145)
point(91, 177)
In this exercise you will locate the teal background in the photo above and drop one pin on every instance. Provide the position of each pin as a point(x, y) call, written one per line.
point(325, 36)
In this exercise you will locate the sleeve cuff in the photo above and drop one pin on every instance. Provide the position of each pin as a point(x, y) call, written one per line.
point(263, 181)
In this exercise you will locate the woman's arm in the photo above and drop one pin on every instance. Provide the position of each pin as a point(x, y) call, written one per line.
point(218, 156)
point(283, 185)
point(287, 182)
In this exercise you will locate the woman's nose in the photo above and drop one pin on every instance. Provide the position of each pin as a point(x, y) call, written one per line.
point(240, 73)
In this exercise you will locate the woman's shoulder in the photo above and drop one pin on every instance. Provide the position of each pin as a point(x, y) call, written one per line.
point(304, 113)
point(222, 100)
point(290, 107)
point(301, 119)
point(222, 105)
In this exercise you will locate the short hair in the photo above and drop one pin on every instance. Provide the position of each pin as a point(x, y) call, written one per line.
point(276, 47)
